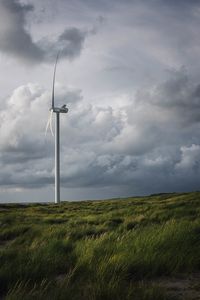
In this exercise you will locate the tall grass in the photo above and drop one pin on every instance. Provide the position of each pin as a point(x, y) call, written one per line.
point(110, 249)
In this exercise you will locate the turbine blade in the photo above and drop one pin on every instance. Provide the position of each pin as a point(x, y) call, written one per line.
point(49, 123)
point(54, 76)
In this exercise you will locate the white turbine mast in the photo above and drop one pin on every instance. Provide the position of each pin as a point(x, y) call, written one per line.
point(57, 111)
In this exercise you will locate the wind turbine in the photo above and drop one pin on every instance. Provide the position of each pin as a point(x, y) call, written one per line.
point(57, 111)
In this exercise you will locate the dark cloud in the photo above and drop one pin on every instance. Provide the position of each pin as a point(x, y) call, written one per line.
point(15, 6)
point(179, 96)
point(17, 41)
point(14, 37)
point(72, 40)
point(178, 3)
point(69, 43)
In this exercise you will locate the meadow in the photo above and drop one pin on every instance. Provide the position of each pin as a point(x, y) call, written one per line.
point(118, 249)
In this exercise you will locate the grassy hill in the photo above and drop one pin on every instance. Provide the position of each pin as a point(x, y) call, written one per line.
point(112, 249)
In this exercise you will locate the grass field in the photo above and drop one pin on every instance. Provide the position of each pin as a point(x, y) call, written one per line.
point(112, 249)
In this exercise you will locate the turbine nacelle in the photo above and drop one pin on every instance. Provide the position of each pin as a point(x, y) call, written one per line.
point(62, 109)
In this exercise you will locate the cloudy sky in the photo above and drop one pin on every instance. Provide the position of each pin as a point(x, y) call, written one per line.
point(130, 75)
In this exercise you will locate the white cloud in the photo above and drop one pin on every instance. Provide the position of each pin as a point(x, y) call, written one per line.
point(189, 158)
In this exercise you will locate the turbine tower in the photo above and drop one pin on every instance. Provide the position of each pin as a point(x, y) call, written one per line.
point(57, 111)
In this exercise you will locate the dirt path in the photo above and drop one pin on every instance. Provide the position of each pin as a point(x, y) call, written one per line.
point(184, 287)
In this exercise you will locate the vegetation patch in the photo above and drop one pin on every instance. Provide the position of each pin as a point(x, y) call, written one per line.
point(111, 249)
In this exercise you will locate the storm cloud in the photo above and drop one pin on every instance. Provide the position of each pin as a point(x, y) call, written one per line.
point(148, 144)
point(133, 96)
point(17, 41)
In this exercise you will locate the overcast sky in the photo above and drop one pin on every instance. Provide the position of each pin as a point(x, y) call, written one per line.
point(130, 75)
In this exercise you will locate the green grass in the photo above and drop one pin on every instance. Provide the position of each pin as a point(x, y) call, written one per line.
point(111, 249)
